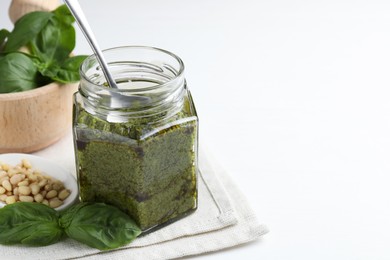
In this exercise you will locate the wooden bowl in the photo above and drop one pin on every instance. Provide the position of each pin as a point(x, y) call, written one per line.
point(34, 119)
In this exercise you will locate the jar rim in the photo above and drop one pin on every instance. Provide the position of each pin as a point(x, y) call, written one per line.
point(143, 47)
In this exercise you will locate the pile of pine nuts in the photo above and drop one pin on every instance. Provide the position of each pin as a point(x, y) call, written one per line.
point(22, 183)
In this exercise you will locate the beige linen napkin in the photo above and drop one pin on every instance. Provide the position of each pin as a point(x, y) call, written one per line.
point(222, 220)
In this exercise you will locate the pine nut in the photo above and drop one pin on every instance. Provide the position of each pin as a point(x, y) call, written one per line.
point(26, 164)
point(38, 198)
point(42, 183)
point(16, 179)
point(23, 183)
point(51, 194)
point(7, 185)
point(58, 186)
point(10, 199)
point(35, 188)
point(25, 190)
point(4, 178)
point(3, 174)
point(55, 202)
point(32, 177)
point(5, 167)
point(26, 198)
point(63, 194)
point(3, 197)
point(48, 187)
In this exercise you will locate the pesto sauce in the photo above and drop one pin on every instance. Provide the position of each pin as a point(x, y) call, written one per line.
point(153, 179)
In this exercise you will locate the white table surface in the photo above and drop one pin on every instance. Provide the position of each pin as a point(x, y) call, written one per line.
point(294, 101)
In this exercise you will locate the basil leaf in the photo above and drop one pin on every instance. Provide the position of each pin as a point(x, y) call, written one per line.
point(48, 70)
point(3, 36)
point(99, 225)
point(18, 73)
point(27, 28)
point(57, 38)
point(64, 14)
point(68, 72)
point(54, 43)
point(30, 224)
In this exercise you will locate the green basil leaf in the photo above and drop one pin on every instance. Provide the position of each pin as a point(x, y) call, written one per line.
point(64, 14)
point(57, 38)
point(55, 42)
point(69, 71)
point(99, 225)
point(27, 28)
point(18, 73)
point(30, 224)
point(48, 70)
point(3, 36)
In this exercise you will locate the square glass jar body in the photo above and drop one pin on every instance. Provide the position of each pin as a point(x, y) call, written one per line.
point(146, 167)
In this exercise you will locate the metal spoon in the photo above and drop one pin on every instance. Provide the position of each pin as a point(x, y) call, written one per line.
point(78, 14)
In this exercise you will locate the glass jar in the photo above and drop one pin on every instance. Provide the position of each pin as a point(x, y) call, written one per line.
point(136, 146)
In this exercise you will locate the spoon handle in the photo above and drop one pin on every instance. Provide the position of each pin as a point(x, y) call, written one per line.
point(81, 20)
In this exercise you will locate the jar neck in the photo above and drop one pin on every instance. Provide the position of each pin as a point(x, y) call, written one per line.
point(150, 83)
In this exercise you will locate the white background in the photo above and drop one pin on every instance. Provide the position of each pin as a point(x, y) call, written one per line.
point(294, 101)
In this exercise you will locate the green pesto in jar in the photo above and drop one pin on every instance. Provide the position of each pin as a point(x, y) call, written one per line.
point(146, 166)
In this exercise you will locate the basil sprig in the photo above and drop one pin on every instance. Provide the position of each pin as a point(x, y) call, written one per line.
point(49, 38)
point(95, 224)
